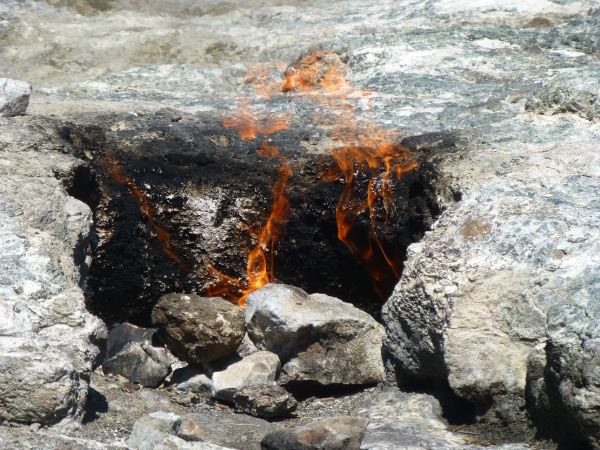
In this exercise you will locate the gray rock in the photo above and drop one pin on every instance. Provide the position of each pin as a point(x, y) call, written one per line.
point(408, 421)
point(124, 333)
point(14, 97)
point(475, 295)
point(333, 433)
point(319, 338)
point(189, 379)
point(267, 401)
point(257, 369)
point(48, 340)
point(157, 431)
point(140, 363)
point(199, 329)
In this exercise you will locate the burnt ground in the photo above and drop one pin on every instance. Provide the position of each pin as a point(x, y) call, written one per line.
point(174, 193)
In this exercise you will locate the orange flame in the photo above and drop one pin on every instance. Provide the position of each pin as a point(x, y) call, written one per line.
point(168, 247)
point(366, 151)
point(248, 125)
point(260, 268)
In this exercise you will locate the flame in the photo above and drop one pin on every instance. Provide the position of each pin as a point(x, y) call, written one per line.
point(366, 157)
point(260, 268)
point(248, 124)
point(366, 152)
point(112, 166)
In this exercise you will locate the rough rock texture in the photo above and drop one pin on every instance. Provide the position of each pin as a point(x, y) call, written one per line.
point(334, 433)
point(258, 368)
point(408, 421)
point(140, 363)
point(267, 401)
point(124, 333)
point(318, 338)
point(47, 338)
point(14, 97)
point(158, 431)
point(511, 85)
point(496, 279)
point(199, 329)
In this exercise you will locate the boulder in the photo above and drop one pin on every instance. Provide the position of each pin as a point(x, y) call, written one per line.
point(257, 369)
point(48, 340)
point(140, 363)
point(199, 329)
point(14, 97)
point(318, 338)
point(332, 433)
point(495, 282)
point(267, 401)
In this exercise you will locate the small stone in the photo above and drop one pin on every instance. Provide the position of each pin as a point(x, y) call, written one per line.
point(258, 368)
point(14, 97)
point(333, 433)
point(124, 333)
point(266, 401)
point(140, 363)
point(199, 329)
point(191, 430)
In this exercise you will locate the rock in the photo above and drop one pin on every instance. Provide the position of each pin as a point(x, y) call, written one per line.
point(190, 379)
point(319, 338)
point(48, 340)
point(247, 347)
point(266, 401)
point(190, 385)
point(473, 306)
point(563, 376)
point(140, 363)
point(333, 433)
point(14, 97)
point(124, 333)
point(256, 369)
point(408, 421)
point(157, 432)
point(199, 329)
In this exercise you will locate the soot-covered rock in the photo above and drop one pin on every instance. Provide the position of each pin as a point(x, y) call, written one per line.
point(333, 433)
point(257, 369)
point(318, 338)
point(268, 401)
point(199, 329)
point(179, 205)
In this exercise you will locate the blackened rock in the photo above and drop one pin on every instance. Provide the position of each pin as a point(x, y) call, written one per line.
point(199, 329)
point(333, 433)
point(141, 363)
point(265, 401)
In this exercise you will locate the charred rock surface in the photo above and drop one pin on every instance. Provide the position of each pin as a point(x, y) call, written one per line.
point(178, 200)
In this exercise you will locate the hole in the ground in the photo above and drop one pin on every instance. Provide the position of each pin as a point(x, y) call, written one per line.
point(173, 199)
point(305, 390)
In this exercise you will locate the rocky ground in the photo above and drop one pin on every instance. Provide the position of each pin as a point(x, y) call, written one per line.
point(491, 333)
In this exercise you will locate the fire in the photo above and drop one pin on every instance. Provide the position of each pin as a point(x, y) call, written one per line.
point(112, 166)
point(366, 152)
point(248, 125)
point(367, 157)
point(260, 268)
